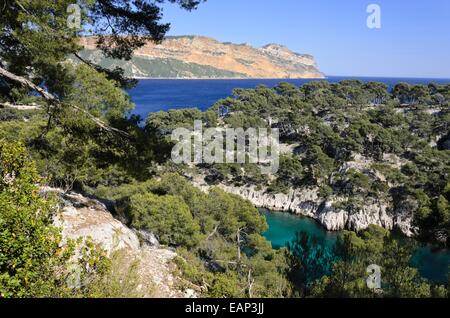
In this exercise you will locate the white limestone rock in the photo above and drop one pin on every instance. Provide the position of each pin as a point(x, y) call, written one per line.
point(82, 217)
point(307, 202)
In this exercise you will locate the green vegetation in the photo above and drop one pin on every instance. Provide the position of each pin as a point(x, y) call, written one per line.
point(355, 140)
point(166, 216)
point(142, 67)
point(221, 252)
point(218, 235)
point(81, 136)
point(355, 252)
point(32, 262)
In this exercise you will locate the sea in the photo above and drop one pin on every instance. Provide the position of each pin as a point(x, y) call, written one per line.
point(153, 95)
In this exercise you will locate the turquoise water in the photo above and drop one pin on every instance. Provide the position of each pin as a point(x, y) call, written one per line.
point(283, 226)
point(432, 263)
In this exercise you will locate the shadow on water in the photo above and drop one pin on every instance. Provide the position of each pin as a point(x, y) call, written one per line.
point(432, 262)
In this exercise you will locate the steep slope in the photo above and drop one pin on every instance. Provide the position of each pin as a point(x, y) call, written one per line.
point(307, 201)
point(82, 217)
point(203, 57)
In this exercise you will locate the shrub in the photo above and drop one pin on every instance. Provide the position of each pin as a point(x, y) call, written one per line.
point(166, 216)
point(33, 263)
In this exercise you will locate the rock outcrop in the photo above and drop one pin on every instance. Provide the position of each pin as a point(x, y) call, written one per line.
point(203, 57)
point(82, 217)
point(307, 202)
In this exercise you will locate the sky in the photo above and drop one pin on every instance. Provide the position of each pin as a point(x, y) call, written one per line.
point(413, 41)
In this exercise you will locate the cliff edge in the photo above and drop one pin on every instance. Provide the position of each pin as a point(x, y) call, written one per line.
point(203, 57)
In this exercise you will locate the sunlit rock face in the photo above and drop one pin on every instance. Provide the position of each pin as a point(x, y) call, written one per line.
point(203, 57)
point(307, 202)
point(83, 217)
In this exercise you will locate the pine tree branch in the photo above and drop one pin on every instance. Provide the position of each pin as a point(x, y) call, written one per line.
point(213, 232)
point(54, 101)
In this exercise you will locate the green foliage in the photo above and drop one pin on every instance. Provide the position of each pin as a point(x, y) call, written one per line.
point(225, 285)
point(166, 216)
point(309, 260)
point(218, 235)
point(38, 37)
point(28, 244)
point(209, 210)
point(33, 263)
point(192, 268)
point(67, 142)
point(387, 134)
point(319, 165)
point(355, 252)
point(291, 171)
point(354, 182)
point(165, 122)
point(10, 114)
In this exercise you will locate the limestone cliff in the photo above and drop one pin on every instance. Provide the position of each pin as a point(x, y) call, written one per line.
point(307, 202)
point(328, 211)
point(203, 57)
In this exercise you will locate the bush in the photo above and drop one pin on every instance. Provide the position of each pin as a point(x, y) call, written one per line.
point(33, 263)
point(167, 216)
point(8, 114)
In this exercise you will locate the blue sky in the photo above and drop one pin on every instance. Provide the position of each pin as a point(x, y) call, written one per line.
point(414, 39)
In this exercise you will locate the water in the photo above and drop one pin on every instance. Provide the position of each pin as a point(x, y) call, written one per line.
point(161, 95)
point(432, 263)
point(283, 226)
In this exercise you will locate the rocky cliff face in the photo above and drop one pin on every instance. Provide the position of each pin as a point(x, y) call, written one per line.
point(307, 202)
point(82, 217)
point(328, 211)
point(202, 57)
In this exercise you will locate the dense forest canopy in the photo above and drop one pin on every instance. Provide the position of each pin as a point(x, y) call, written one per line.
point(355, 141)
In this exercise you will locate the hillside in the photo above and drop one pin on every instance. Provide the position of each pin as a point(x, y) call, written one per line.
point(352, 153)
point(202, 57)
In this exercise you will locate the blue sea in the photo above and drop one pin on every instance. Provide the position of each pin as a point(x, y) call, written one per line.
point(154, 95)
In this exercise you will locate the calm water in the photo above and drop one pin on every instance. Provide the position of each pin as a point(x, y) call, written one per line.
point(156, 95)
point(283, 226)
point(162, 95)
point(432, 264)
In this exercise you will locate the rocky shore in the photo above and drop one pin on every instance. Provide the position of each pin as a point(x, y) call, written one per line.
point(307, 202)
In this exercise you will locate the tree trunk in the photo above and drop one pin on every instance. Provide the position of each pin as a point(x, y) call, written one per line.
point(53, 100)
